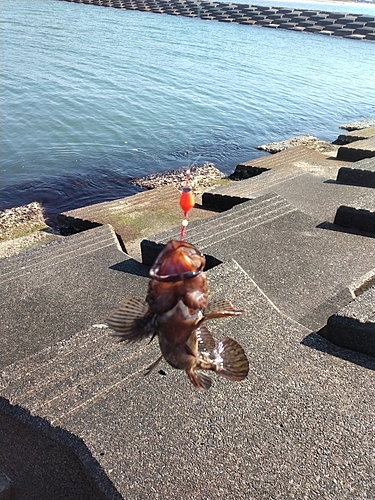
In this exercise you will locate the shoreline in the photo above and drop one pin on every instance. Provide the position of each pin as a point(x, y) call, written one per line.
point(24, 227)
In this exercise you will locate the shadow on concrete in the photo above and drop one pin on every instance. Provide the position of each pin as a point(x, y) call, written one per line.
point(45, 462)
point(340, 229)
point(131, 266)
point(315, 341)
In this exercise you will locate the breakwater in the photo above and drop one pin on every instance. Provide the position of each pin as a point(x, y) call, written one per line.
point(354, 26)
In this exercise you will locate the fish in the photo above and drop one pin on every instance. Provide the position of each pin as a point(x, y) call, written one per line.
point(175, 311)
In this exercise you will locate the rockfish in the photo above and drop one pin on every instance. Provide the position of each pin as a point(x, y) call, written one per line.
point(175, 310)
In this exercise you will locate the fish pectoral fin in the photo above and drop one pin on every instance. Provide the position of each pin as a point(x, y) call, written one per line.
point(152, 366)
point(206, 342)
point(199, 379)
point(231, 361)
point(220, 309)
point(132, 321)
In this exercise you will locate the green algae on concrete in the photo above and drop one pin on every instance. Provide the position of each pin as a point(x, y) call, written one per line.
point(135, 217)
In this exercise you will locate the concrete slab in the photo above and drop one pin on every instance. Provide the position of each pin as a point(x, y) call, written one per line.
point(294, 425)
point(55, 290)
point(359, 173)
point(304, 270)
point(353, 326)
point(313, 193)
point(289, 159)
point(132, 218)
point(355, 135)
point(357, 150)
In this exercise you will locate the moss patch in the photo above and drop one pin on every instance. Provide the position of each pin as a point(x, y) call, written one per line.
point(138, 224)
point(22, 230)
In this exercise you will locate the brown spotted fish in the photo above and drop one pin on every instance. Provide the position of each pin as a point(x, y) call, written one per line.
point(176, 309)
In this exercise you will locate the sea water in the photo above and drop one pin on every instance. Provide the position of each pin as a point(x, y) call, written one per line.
point(94, 96)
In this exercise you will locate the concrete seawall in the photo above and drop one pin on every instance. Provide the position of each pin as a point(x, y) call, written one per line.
point(354, 26)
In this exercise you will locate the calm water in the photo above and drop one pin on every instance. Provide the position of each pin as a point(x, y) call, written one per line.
point(94, 96)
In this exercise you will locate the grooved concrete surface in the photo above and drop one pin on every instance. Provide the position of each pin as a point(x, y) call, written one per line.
point(304, 269)
point(57, 289)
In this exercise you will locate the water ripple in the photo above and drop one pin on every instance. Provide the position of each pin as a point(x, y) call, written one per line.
point(91, 94)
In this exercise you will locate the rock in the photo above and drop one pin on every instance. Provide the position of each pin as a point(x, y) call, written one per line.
point(202, 178)
point(302, 140)
point(19, 221)
point(23, 228)
point(359, 125)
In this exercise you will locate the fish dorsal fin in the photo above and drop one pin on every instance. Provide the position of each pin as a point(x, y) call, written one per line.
point(199, 379)
point(231, 360)
point(221, 308)
point(131, 322)
point(206, 342)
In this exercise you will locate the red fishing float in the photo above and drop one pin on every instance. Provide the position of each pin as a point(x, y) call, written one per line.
point(187, 202)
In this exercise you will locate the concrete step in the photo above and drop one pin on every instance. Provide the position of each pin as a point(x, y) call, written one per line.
point(305, 270)
point(240, 191)
point(353, 326)
point(359, 173)
point(69, 284)
point(355, 135)
point(357, 218)
point(357, 150)
point(358, 214)
point(291, 157)
point(311, 188)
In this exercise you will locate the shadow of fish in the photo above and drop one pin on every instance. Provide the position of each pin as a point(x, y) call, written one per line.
point(175, 310)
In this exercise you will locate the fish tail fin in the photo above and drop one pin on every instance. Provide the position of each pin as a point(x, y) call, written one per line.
point(231, 361)
point(199, 379)
point(132, 321)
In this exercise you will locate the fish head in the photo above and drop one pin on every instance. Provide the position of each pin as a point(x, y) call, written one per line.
point(178, 260)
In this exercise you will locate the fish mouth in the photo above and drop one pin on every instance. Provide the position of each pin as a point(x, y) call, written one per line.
point(176, 277)
point(178, 261)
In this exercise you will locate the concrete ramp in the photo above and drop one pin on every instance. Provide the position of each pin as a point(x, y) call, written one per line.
point(293, 426)
point(51, 292)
